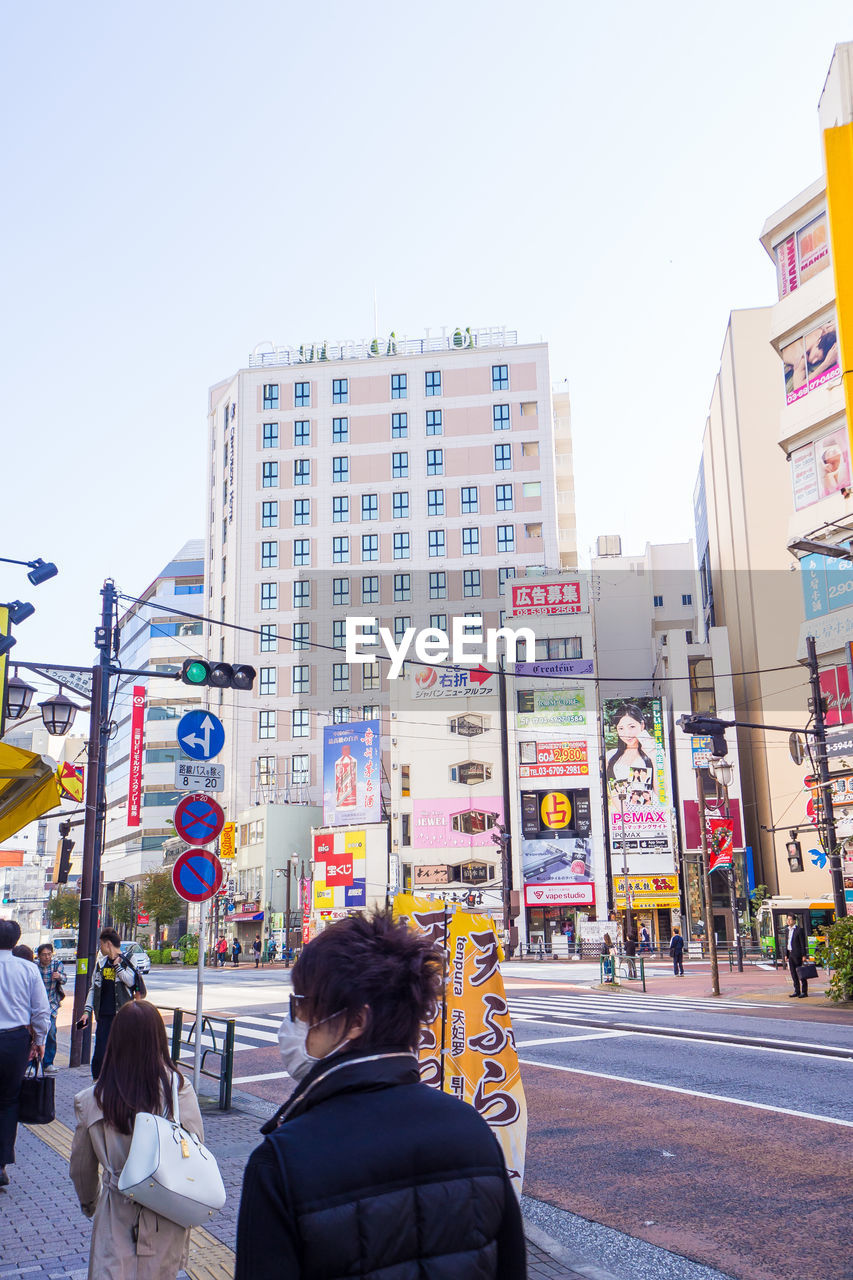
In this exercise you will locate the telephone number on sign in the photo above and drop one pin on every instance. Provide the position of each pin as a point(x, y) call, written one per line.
point(553, 770)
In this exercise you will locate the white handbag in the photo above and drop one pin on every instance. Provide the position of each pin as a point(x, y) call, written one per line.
point(171, 1172)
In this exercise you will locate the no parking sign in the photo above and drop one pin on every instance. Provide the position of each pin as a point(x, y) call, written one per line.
point(196, 875)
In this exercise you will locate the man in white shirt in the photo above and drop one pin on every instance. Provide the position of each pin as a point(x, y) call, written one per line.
point(24, 1024)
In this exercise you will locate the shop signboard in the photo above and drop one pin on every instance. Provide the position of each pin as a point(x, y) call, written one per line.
point(820, 468)
point(546, 598)
point(562, 668)
point(340, 871)
point(548, 813)
point(810, 361)
point(647, 892)
point(449, 824)
point(636, 756)
point(427, 873)
point(351, 772)
point(581, 894)
point(550, 708)
point(453, 682)
point(553, 759)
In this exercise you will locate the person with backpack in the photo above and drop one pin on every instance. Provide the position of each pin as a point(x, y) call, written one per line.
point(235, 952)
point(114, 984)
point(676, 950)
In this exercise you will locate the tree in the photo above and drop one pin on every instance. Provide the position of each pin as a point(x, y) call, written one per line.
point(759, 893)
point(122, 906)
point(63, 909)
point(159, 899)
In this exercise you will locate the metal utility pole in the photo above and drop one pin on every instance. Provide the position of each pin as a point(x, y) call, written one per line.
point(289, 873)
point(93, 828)
point(833, 849)
point(706, 888)
point(621, 787)
point(506, 834)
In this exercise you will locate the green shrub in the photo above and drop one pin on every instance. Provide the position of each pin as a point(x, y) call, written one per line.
point(840, 950)
point(191, 955)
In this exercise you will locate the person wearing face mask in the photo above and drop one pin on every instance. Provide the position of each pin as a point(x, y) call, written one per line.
point(362, 1162)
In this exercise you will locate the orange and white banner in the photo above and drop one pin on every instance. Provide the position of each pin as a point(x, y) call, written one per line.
point(469, 1049)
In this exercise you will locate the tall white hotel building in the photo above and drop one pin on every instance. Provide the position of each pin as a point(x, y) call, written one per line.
point(401, 478)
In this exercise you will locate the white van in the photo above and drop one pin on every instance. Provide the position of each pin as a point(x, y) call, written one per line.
point(65, 947)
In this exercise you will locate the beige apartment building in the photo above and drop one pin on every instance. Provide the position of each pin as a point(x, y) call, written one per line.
point(400, 479)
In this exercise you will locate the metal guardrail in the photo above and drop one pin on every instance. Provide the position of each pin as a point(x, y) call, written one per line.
point(223, 1048)
point(607, 969)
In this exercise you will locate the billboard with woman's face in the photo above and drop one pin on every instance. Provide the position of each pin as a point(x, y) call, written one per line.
point(638, 780)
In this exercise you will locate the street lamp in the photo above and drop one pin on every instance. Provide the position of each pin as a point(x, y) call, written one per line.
point(58, 714)
point(621, 785)
point(19, 695)
point(723, 772)
point(287, 870)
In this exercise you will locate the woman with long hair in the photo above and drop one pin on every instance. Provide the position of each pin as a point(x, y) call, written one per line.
point(630, 725)
point(128, 1241)
point(368, 1171)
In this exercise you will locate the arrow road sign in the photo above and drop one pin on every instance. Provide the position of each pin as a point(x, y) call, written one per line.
point(201, 735)
point(196, 875)
point(198, 819)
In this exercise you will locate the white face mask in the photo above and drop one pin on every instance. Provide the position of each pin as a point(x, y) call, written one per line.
point(291, 1045)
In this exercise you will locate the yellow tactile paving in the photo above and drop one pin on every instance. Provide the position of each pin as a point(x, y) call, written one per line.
point(209, 1258)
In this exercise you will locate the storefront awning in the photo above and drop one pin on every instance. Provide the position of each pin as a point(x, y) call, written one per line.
point(28, 788)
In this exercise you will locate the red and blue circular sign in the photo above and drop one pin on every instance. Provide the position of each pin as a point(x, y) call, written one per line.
point(196, 875)
point(198, 819)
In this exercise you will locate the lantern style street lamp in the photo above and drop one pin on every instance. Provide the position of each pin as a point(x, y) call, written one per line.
point(58, 714)
point(19, 695)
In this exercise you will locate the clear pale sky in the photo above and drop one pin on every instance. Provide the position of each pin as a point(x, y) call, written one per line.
point(185, 180)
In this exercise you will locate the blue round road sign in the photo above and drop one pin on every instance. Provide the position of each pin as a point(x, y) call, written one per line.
point(196, 875)
point(201, 735)
point(198, 819)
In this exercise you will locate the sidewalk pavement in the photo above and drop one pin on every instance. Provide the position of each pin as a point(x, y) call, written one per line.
point(44, 1236)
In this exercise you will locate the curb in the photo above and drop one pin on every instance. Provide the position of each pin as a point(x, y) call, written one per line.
point(559, 1253)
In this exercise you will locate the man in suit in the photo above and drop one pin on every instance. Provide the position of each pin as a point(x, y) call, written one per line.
point(797, 950)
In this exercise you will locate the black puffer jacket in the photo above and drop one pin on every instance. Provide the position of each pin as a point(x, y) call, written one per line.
point(372, 1174)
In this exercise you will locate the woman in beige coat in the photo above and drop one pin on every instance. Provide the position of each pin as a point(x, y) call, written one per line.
point(128, 1241)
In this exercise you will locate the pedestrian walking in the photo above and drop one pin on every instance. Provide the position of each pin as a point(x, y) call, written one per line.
point(112, 988)
point(235, 952)
point(272, 949)
point(607, 950)
point(23, 952)
point(222, 951)
point(676, 950)
point(53, 976)
point(257, 947)
point(630, 954)
point(645, 940)
point(129, 1242)
point(797, 952)
point(366, 1169)
point(24, 1024)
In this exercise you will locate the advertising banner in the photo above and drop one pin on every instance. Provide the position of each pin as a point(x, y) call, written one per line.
point(820, 469)
point(468, 1050)
point(635, 748)
point(647, 892)
point(786, 264)
point(550, 708)
point(137, 735)
point(545, 814)
point(827, 585)
point(553, 759)
point(802, 256)
point(835, 685)
point(559, 895)
point(227, 841)
point(547, 598)
point(453, 682)
point(691, 824)
point(561, 668)
point(449, 824)
point(810, 361)
point(340, 871)
point(351, 773)
point(544, 861)
point(720, 843)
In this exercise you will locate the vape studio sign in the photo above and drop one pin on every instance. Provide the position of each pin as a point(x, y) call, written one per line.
point(559, 895)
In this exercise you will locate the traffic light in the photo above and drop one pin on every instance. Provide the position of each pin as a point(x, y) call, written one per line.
point(795, 855)
point(62, 866)
point(217, 675)
point(707, 727)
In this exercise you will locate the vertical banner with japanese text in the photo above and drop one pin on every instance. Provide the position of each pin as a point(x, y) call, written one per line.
point(469, 1050)
point(137, 735)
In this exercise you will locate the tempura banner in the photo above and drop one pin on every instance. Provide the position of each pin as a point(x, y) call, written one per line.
point(469, 1048)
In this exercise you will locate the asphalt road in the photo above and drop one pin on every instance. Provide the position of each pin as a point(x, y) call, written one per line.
point(644, 1118)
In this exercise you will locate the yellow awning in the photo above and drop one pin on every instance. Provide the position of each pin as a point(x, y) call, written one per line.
point(28, 788)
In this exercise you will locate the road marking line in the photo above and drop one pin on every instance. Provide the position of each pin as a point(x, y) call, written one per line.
point(593, 1035)
point(270, 1075)
point(690, 1093)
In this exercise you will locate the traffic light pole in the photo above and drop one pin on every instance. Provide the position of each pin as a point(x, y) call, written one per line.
point(824, 806)
point(706, 889)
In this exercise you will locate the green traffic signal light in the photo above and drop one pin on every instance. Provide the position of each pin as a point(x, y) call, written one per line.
point(218, 675)
point(195, 672)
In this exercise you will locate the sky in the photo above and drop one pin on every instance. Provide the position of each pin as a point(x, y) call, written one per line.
point(185, 181)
